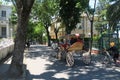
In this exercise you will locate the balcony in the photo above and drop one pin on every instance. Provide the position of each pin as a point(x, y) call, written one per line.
point(4, 19)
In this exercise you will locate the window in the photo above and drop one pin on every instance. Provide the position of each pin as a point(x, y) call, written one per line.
point(4, 32)
point(3, 14)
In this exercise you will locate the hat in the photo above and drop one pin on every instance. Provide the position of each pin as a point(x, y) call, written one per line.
point(112, 44)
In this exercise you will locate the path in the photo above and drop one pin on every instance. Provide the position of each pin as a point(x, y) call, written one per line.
point(42, 66)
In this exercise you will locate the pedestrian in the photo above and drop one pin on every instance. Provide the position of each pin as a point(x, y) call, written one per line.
point(114, 51)
point(28, 44)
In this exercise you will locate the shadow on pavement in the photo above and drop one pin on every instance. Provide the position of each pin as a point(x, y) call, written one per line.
point(4, 68)
point(39, 51)
point(59, 71)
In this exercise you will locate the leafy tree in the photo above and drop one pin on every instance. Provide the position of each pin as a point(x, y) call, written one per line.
point(113, 14)
point(31, 34)
point(23, 8)
point(70, 11)
point(30, 31)
point(101, 22)
point(44, 12)
point(14, 17)
point(39, 30)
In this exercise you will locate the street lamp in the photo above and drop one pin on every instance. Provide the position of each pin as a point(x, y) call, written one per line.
point(91, 21)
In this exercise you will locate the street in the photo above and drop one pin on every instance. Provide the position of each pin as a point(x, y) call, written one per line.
point(42, 65)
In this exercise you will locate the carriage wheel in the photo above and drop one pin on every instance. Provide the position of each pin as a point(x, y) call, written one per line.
point(59, 55)
point(86, 59)
point(70, 59)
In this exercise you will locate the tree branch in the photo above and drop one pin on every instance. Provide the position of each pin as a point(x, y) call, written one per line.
point(30, 2)
point(14, 3)
point(88, 15)
point(17, 4)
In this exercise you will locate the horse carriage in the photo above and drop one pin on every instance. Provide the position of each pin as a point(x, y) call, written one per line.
point(67, 51)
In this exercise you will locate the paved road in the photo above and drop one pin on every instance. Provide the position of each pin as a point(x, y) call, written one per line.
point(41, 65)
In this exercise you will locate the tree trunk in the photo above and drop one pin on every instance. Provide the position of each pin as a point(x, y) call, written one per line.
point(56, 34)
point(17, 59)
point(23, 10)
point(48, 37)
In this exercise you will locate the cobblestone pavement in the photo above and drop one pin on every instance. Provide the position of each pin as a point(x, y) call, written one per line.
point(41, 65)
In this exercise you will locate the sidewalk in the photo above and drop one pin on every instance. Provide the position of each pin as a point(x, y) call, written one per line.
point(41, 65)
point(4, 66)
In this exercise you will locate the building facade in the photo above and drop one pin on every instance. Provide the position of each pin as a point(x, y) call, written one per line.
point(5, 13)
point(83, 28)
point(56, 25)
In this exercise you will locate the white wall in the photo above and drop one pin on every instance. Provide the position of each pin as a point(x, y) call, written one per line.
point(8, 10)
point(6, 46)
point(4, 21)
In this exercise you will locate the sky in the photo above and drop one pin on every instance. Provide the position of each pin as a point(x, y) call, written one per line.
point(91, 3)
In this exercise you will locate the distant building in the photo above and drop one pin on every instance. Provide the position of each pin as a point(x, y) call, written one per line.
point(83, 28)
point(58, 25)
point(5, 30)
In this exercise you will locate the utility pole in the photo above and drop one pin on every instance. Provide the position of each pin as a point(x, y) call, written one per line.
point(91, 29)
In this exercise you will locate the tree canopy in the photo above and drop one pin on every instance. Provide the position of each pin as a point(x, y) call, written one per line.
point(44, 11)
point(113, 14)
point(101, 22)
point(70, 11)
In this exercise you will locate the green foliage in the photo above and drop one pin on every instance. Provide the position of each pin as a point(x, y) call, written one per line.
point(30, 30)
point(113, 14)
point(96, 38)
point(0, 2)
point(13, 18)
point(70, 11)
point(35, 31)
point(39, 29)
point(44, 11)
point(101, 22)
